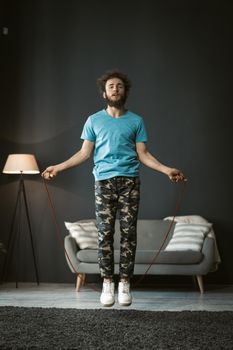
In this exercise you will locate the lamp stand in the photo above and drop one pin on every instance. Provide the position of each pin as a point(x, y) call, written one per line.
point(15, 233)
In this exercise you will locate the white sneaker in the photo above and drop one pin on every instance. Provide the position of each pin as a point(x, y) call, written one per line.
point(107, 297)
point(124, 296)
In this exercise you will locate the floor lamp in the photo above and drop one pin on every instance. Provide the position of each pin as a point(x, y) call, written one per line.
point(19, 164)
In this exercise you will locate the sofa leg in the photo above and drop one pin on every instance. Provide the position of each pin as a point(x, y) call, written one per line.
point(79, 281)
point(200, 283)
point(83, 279)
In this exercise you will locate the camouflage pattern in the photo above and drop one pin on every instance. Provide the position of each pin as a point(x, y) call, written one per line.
point(120, 195)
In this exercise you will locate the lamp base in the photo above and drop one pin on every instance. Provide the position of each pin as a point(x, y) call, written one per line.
point(15, 234)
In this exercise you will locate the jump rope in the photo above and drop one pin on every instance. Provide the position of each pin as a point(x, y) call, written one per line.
point(60, 237)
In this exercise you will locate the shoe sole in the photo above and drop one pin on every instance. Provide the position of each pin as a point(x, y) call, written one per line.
point(107, 305)
point(124, 304)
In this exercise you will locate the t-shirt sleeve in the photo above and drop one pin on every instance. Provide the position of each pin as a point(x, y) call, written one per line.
point(88, 132)
point(141, 135)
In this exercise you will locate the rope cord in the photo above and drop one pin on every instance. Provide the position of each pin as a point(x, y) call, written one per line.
point(59, 235)
point(60, 239)
point(177, 208)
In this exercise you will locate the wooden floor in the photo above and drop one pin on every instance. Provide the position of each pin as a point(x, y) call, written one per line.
point(215, 298)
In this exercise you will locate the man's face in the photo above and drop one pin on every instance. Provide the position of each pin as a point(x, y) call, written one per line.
point(115, 93)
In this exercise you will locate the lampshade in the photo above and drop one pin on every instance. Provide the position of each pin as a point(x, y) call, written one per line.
point(21, 164)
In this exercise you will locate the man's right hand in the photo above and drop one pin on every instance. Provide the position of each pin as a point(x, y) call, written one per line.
point(50, 172)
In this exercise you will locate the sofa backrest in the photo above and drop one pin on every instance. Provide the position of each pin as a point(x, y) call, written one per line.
point(150, 234)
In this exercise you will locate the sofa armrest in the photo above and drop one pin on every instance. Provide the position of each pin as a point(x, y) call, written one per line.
point(72, 249)
point(208, 252)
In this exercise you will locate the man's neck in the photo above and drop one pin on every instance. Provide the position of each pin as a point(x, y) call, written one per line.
point(115, 112)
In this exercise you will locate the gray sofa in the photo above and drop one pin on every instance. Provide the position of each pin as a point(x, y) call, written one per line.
point(151, 235)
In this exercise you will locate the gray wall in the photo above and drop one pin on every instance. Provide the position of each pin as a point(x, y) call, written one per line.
point(179, 58)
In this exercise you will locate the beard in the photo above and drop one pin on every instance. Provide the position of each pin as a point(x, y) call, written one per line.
point(118, 103)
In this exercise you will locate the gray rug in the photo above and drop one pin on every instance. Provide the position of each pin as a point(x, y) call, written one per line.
point(39, 328)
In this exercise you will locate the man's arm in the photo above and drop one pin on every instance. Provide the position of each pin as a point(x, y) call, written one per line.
point(147, 159)
point(81, 156)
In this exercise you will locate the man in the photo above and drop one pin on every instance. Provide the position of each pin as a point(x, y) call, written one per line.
point(118, 138)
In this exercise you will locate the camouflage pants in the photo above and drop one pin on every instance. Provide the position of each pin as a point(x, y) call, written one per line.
point(119, 194)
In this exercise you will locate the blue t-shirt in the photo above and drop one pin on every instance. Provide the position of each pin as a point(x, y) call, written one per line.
point(115, 143)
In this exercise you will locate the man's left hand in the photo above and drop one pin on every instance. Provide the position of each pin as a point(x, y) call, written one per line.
point(176, 175)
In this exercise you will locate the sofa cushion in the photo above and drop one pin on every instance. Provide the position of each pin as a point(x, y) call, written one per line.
point(84, 232)
point(189, 219)
point(150, 234)
point(188, 237)
point(147, 257)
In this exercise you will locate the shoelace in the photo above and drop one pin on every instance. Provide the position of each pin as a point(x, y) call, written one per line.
point(107, 287)
point(125, 287)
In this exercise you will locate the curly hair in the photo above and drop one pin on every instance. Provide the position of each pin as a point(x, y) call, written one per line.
point(101, 82)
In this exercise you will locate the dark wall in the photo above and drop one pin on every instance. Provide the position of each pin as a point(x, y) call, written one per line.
point(179, 57)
